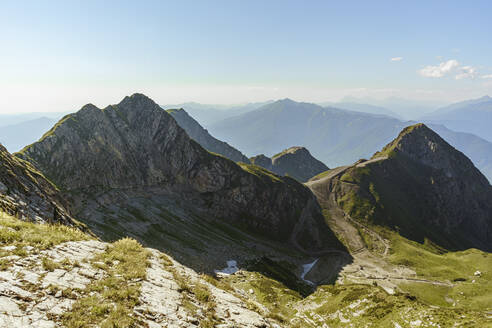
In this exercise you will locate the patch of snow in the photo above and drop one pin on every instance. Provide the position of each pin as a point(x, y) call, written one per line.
point(388, 290)
point(231, 268)
point(397, 325)
point(305, 270)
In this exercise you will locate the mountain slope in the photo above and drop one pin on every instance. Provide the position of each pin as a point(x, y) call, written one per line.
point(208, 114)
point(27, 194)
point(200, 135)
point(364, 108)
point(129, 169)
point(477, 149)
point(418, 185)
point(14, 137)
point(295, 162)
point(332, 135)
point(472, 116)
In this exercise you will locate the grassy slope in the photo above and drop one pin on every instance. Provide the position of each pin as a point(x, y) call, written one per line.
point(111, 299)
point(468, 291)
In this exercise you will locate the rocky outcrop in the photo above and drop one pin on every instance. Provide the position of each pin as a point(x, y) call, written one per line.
point(133, 157)
point(296, 162)
point(34, 294)
point(27, 194)
point(201, 135)
point(418, 185)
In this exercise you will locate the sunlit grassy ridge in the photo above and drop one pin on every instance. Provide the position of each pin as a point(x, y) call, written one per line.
point(14, 232)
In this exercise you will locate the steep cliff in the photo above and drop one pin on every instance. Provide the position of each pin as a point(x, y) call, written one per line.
point(27, 194)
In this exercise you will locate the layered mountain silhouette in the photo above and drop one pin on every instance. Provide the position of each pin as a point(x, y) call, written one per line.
point(334, 136)
point(25, 193)
point(201, 135)
point(418, 185)
point(208, 114)
point(472, 116)
point(296, 162)
point(15, 136)
point(130, 169)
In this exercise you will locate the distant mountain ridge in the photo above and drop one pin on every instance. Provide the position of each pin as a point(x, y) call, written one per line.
point(472, 116)
point(295, 162)
point(208, 114)
point(418, 185)
point(201, 135)
point(334, 136)
point(16, 136)
point(364, 108)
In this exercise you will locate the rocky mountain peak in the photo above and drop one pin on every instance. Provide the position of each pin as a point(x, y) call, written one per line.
point(419, 185)
point(422, 144)
point(293, 150)
point(106, 159)
point(296, 162)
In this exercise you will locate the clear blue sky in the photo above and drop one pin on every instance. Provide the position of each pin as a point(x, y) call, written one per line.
point(59, 55)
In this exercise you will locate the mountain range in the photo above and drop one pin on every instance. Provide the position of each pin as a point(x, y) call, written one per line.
point(173, 234)
point(210, 114)
point(130, 169)
point(334, 136)
point(472, 116)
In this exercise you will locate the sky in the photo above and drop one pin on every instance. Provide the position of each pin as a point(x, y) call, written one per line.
point(60, 55)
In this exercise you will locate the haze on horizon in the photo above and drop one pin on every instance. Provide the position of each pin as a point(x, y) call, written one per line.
point(58, 56)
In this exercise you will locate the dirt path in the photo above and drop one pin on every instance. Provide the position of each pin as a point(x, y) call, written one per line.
point(367, 266)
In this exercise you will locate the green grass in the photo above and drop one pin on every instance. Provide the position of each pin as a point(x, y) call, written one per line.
point(109, 302)
point(14, 232)
point(355, 305)
point(458, 268)
point(260, 172)
point(50, 265)
point(356, 206)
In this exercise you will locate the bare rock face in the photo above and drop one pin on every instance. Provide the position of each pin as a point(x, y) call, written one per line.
point(420, 186)
point(109, 159)
point(201, 135)
point(27, 194)
point(296, 162)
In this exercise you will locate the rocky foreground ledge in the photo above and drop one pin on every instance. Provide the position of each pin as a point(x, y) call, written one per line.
point(87, 283)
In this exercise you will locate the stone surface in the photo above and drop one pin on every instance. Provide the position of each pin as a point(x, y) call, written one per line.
point(25, 300)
